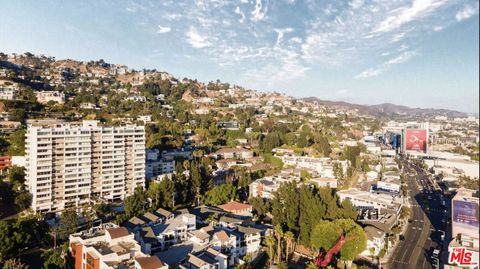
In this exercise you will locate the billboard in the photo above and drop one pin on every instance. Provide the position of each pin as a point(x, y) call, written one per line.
point(465, 218)
point(416, 139)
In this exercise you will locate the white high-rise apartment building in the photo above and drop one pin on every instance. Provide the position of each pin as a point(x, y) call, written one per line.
point(69, 164)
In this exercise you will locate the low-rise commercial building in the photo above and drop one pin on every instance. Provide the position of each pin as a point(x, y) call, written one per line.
point(367, 200)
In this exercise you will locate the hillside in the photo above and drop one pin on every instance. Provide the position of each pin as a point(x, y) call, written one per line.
point(46, 73)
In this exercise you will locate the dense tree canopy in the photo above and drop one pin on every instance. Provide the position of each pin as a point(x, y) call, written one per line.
point(327, 233)
point(220, 195)
point(135, 204)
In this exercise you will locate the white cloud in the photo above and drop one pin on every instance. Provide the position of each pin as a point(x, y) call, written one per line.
point(403, 47)
point(438, 28)
point(403, 15)
point(467, 12)
point(398, 37)
point(196, 40)
point(355, 4)
point(131, 9)
point(239, 12)
point(257, 13)
point(163, 29)
point(280, 33)
point(333, 35)
point(297, 40)
point(172, 16)
point(375, 71)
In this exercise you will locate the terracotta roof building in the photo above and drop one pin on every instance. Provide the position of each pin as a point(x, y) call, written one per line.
point(236, 208)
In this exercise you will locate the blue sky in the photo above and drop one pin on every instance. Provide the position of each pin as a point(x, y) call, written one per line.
point(421, 53)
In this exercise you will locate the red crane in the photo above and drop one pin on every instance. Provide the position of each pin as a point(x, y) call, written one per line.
point(324, 259)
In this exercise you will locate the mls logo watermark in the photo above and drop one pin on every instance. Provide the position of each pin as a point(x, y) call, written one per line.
point(462, 257)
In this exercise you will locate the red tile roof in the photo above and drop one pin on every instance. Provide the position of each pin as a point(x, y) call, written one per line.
point(235, 206)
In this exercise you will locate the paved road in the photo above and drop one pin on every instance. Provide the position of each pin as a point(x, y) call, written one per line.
point(421, 235)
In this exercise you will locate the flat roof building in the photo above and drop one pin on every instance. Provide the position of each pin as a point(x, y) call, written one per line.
point(68, 164)
point(110, 247)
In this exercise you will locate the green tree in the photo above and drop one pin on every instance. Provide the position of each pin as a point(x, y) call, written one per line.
point(8, 244)
point(325, 234)
point(269, 243)
point(357, 242)
point(103, 210)
point(13, 236)
point(162, 193)
point(260, 206)
point(322, 145)
point(352, 153)
point(272, 140)
point(17, 143)
point(290, 139)
point(69, 221)
point(285, 208)
point(278, 232)
point(220, 194)
point(196, 179)
point(330, 201)
point(289, 240)
point(348, 210)
point(135, 204)
point(23, 200)
point(16, 174)
point(53, 259)
point(311, 211)
point(277, 162)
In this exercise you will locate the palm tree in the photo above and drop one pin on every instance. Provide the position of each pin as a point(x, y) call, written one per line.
point(269, 243)
point(289, 237)
point(278, 231)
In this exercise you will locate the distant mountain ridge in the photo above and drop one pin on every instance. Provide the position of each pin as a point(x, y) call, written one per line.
point(387, 108)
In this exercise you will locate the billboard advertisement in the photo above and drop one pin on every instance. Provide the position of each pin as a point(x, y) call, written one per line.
point(416, 139)
point(465, 218)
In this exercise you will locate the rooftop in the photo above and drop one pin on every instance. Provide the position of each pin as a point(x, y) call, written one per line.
point(117, 232)
point(152, 262)
point(235, 206)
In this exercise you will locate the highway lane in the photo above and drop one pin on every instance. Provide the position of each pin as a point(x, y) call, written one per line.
point(421, 236)
point(435, 213)
point(404, 252)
